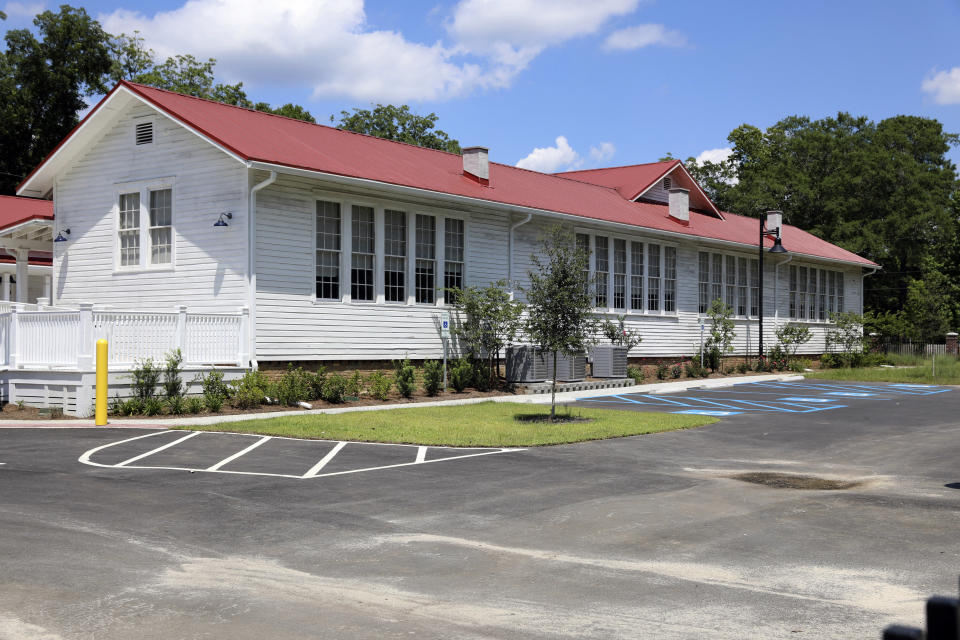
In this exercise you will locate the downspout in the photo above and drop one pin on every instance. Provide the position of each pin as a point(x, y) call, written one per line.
point(862, 291)
point(514, 226)
point(252, 266)
point(776, 288)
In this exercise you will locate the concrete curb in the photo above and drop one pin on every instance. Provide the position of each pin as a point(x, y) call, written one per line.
point(539, 398)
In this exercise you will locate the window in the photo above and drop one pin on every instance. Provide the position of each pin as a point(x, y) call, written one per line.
point(426, 264)
point(653, 277)
point(394, 256)
point(731, 298)
point(636, 276)
point(583, 244)
point(832, 296)
point(453, 257)
point(602, 269)
point(741, 286)
point(161, 227)
point(754, 287)
point(129, 229)
point(839, 292)
point(704, 300)
point(823, 294)
point(144, 133)
point(793, 292)
point(362, 254)
point(716, 279)
point(669, 278)
point(802, 293)
point(815, 294)
point(328, 250)
point(620, 274)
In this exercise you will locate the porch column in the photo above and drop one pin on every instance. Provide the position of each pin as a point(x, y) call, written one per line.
point(47, 287)
point(5, 288)
point(23, 275)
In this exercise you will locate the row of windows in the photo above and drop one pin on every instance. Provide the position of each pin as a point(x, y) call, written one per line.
point(644, 275)
point(815, 293)
point(395, 267)
point(157, 235)
point(733, 279)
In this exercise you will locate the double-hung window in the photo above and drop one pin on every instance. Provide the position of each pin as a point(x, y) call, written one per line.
point(394, 256)
point(669, 279)
point(812, 297)
point(716, 286)
point(453, 258)
point(363, 254)
point(741, 286)
point(602, 269)
point(653, 277)
point(583, 246)
point(328, 250)
point(636, 276)
point(619, 273)
point(426, 259)
point(754, 287)
point(822, 308)
point(704, 281)
point(731, 298)
point(145, 228)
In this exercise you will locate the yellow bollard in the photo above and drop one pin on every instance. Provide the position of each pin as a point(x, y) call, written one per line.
point(101, 407)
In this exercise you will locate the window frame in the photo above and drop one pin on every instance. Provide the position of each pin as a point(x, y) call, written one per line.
point(143, 188)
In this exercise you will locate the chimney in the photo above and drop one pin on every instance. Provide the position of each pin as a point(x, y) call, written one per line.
point(680, 205)
point(476, 164)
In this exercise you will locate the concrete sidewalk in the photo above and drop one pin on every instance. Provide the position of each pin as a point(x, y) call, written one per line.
point(539, 398)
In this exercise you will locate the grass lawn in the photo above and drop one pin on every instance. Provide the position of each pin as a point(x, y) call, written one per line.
point(948, 372)
point(487, 424)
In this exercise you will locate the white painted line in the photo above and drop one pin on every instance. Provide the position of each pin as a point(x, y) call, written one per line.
point(407, 464)
point(226, 461)
point(421, 455)
point(158, 449)
point(85, 458)
point(323, 462)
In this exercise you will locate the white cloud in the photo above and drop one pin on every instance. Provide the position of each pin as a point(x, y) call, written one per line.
point(328, 43)
point(944, 85)
point(23, 9)
point(602, 152)
point(643, 35)
point(714, 155)
point(552, 159)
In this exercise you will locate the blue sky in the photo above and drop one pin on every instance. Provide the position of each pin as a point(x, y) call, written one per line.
point(621, 81)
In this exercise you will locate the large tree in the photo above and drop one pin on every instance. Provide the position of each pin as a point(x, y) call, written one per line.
point(885, 190)
point(398, 123)
point(44, 79)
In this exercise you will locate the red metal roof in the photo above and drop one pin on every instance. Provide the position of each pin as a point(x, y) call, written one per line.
point(629, 181)
point(15, 210)
point(262, 137)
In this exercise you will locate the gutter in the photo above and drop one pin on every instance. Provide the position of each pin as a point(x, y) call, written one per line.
point(514, 226)
point(252, 265)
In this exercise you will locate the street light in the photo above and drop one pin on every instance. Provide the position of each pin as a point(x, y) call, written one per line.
point(770, 224)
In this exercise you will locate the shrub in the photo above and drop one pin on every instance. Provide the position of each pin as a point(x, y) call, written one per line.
point(636, 373)
point(743, 367)
point(250, 390)
point(676, 371)
point(172, 382)
point(152, 406)
point(294, 386)
point(355, 385)
point(213, 402)
point(145, 378)
point(176, 405)
point(432, 376)
point(335, 388)
point(618, 334)
point(405, 377)
point(316, 381)
point(482, 380)
point(721, 333)
point(132, 407)
point(461, 375)
point(116, 406)
point(194, 405)
point(213, 385)
point(379, 385)
point(662, 371)
point(778, 359)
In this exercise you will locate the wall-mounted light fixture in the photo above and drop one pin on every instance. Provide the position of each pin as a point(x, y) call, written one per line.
point(62, 238)
point(221, 222)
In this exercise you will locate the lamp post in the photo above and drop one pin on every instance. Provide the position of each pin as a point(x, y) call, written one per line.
point(770, 223)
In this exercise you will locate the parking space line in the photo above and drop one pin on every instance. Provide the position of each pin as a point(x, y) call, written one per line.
point(158, 449)
point(226, 461)
point(323, 461)
point(421, 455)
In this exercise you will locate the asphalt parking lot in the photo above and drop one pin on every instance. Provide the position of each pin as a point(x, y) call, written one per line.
point(644, 537)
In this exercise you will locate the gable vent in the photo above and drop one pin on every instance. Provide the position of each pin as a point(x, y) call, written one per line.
point(144, 133)
point(667, 183)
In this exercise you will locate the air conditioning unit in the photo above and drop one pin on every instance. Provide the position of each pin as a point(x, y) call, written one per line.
point(526, 364)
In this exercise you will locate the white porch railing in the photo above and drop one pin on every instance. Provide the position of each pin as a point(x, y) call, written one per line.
point(65, 338)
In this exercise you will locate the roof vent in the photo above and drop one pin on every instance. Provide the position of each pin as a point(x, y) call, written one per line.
point(680, 205)
point(476, 164)
point(667, 184)
point(144, 133)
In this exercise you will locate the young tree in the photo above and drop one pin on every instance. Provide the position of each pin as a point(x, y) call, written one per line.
point(847, 334)
point(720, 341)
point(489, 319)
point(559, 300)
point(398, 123)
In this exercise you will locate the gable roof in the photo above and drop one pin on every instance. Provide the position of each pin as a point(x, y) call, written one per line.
point(15, 210)
point(266, 139)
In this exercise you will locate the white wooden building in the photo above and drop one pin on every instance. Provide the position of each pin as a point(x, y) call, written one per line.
point(337, 246)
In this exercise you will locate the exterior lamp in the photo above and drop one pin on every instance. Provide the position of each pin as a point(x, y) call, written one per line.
point(62, 238)
point(221, 222)
point(770, 224)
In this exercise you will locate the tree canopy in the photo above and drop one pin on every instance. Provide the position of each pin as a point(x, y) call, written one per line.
point(398, 123)
point(884, 190)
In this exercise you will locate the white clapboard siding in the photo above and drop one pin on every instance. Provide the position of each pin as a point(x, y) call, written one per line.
point(208, 273)
point(291, 326)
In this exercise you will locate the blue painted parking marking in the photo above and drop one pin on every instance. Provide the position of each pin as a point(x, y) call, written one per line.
point(700, 404)
point(707, 412)
point(806, 399)
point(851, 394)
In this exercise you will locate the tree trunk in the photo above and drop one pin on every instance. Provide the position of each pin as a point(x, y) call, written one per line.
point(553, 390)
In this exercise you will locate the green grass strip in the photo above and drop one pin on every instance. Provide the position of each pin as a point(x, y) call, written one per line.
point(487, 424)
point(947, 372)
